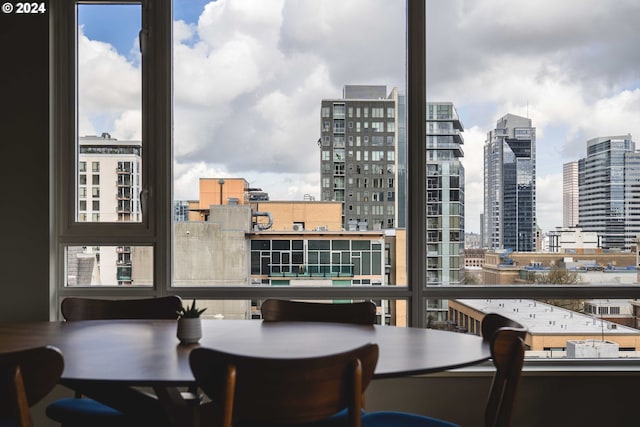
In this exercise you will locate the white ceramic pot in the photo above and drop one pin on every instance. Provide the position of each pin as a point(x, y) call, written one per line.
point(189, 330)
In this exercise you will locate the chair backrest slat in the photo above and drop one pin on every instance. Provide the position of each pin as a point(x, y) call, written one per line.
point(27, 376)
point(363, 312)
point(101, 309)
point(491, 322)
point(284, 391)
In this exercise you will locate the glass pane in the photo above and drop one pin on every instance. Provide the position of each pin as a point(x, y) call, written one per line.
point(109, 146)
point(557, 328)
point(268, 116)
point(123, 265)
point(550, 200)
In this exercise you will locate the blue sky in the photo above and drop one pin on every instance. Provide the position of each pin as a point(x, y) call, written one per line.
point(249, 76)
point(99, 22)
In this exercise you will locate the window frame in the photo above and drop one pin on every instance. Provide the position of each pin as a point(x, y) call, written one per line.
point(156, 91)
point(156, 227)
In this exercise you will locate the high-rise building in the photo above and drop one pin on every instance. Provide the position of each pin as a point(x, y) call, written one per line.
point(445, 202)
point(609, 193)
point(109, 179)
point(570, 194)
point(509, 220)
point(109, 185)
point(358, 156)
point(445, 195)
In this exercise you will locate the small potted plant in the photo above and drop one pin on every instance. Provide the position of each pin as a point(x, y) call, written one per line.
point(189, 324)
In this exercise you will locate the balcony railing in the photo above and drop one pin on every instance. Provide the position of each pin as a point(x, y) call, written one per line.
point(312, 271)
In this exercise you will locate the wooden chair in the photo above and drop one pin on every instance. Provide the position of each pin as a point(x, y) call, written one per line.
point(252, 390)
point(274, 310)
point(72, 412)
point(26, 377)
point(507, 352)
point(361, 313)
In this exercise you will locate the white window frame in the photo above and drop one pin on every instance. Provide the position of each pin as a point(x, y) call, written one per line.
point(156, 175)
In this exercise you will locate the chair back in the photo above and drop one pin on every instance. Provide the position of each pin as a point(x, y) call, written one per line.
point(27, 376)
point(363, 313)
point(492, 322)
point(262, 391)
point(101, 309)
point(507, 353)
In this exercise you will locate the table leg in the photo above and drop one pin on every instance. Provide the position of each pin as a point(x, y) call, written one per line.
point(182, 408)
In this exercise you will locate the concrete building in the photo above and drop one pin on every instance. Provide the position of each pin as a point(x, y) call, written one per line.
point(570, 194)
point(253, 241)
point(359, 156)
point(572, 240)
point(299, 215)
point(618, 311)
point(229, 251)
point(592, 267)
point(474, 258)
point(472, 240)
point(108, 190)
point(609, 196)
point(109, 180)
point(224, 191)
point(550, 328)
point(509, 220)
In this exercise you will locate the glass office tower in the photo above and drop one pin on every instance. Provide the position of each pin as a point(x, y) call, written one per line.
point(608, 191)
point(509, 220)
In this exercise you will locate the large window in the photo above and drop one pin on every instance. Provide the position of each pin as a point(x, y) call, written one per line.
point(206, 149)
point(240, 113)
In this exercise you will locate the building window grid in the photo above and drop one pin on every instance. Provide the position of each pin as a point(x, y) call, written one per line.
point(347, 258)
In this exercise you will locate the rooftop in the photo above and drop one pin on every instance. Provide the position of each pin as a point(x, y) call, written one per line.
point(546, 319)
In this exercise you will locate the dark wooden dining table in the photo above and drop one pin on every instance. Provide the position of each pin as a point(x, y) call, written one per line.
point(139, 353)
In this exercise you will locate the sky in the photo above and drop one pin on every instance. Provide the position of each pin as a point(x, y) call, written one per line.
point(249, 76)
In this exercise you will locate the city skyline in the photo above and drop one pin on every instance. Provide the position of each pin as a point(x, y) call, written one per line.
point(574, 82)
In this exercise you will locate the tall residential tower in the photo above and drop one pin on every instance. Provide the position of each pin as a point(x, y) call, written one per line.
point(445, 195)
point(445, 202)
point(358, 152)
point(108, 187)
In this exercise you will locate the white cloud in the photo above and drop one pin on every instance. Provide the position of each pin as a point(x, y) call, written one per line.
point(108, 86)
point(127, 126)
point(250, 75)
point(548, 60)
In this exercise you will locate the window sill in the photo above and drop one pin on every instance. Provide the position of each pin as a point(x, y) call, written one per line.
point(555, 367)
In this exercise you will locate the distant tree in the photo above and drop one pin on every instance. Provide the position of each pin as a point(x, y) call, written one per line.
point(469, 279)
point(558, 276)
point(561, 276)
